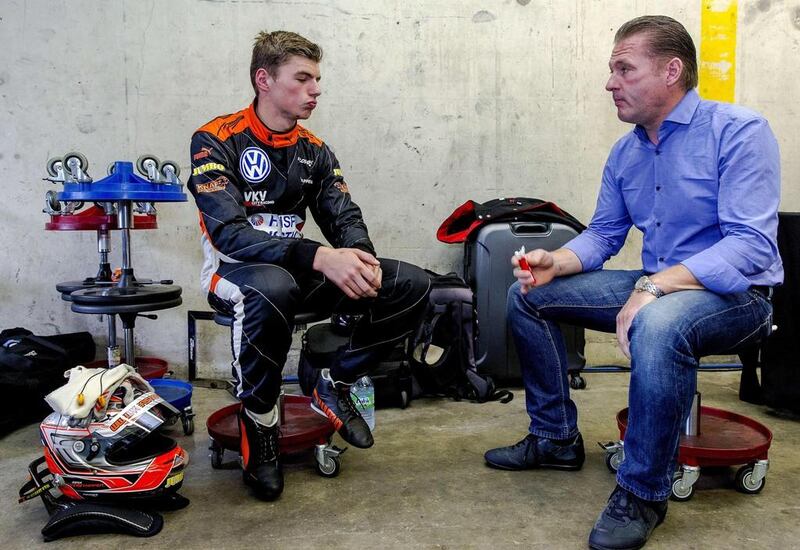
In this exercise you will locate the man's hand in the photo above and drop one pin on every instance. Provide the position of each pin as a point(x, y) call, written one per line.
point(543, 269)
point(636, 301)
point(357, 273)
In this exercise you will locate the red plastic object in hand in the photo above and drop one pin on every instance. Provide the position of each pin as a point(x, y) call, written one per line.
point(523, 262)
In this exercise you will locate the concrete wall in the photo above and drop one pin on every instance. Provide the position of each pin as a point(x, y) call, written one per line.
point(426, 103)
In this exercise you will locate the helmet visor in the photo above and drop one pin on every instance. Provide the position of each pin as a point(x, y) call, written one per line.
point(134, 424)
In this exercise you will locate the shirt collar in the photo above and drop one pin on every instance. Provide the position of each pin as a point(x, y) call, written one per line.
point(264, 134)
point(682, 113)
point(684, 110)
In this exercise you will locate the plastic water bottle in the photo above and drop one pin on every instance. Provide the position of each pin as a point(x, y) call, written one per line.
point(363, 392)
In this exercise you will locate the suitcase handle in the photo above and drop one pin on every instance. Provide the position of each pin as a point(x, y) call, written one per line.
point(530, 228)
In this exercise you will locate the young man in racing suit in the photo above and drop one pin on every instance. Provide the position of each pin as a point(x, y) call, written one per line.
point(254, 175)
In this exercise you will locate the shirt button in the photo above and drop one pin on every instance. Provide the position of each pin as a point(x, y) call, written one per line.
point(661, 259)
point(658, 224)
point(658, 152)
point(658, 188)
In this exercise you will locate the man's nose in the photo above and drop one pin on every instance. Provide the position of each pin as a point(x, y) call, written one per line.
point(611, 83)
point(315, 90)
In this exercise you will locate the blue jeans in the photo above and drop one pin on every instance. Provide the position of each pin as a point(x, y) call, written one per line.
point(667, 338)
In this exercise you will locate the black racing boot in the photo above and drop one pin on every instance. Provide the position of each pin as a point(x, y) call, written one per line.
point(538, 452)
point(333, 400)
point(261, 467)
point(627, 522)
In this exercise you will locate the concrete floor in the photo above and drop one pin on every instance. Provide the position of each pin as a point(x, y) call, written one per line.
point(424, 485)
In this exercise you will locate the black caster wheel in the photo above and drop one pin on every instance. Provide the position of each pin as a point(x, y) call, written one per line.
point(680, 493)
point(744, 481)
point(613, 461)
point(74, 161)
point(329, 467)
point(170, 166)
point(188, 426)
point(216, 457)
point(577, 382)
point(53, 165)
point(405, 400)
point(52, 201)
point(145, 163)
point(110, 169)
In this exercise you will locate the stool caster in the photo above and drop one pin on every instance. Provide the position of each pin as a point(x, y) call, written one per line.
point(683, 483)
point(577, 382)
point(170, 171)
point(751, 479)
point(328, 459)
point(147, 165)
point(187, 420)
point(405, 400)
point(55, 169)
point(615, 454)
point(217, 453)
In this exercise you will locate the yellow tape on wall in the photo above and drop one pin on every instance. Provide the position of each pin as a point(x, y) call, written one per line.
point(718, 50)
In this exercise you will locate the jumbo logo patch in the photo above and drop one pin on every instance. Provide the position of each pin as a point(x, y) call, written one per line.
point(254, 165)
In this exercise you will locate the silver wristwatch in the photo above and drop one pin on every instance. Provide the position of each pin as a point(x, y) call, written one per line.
point(644, 284)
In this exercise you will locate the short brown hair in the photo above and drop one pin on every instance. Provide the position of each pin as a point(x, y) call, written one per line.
point(272, 49)
point(667, 39)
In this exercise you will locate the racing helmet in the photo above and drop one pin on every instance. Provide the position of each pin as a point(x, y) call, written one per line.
point(118, 450)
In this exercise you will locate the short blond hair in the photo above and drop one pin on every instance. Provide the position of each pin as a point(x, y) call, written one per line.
point(272, 49)
point(667, 38)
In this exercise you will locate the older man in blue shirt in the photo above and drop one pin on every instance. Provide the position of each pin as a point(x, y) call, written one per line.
point(701, 181)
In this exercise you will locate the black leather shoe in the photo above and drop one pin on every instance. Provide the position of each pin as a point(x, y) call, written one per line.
point(333, 400)
point(261, 467)
point(537, 452)
point(627, 522)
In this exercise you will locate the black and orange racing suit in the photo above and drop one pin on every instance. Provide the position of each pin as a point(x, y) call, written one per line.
point(252, 187)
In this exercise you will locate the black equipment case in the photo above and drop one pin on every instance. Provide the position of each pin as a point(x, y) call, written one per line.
point(488, 270)
point(780, 368)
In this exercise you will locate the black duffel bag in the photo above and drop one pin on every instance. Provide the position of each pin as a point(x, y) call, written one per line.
point(391, 377)
point(31, 367)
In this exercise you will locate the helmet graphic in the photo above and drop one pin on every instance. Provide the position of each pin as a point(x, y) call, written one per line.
point(117, 449)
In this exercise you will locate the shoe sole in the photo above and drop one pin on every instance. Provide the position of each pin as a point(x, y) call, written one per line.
point(597, 547)
point(564, 467)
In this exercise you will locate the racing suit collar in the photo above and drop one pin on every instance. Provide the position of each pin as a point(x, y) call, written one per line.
point(267, 136)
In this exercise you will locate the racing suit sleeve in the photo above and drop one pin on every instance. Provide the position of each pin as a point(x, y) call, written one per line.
point(216, 190)
point(338, 217)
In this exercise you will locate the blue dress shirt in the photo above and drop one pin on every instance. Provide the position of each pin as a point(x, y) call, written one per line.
point(706, 196)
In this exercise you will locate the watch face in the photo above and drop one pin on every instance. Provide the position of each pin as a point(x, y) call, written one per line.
point(644, 284)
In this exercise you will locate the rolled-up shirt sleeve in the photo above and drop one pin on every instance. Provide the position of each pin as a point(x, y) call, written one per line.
point(609, 226)
point(749, 195)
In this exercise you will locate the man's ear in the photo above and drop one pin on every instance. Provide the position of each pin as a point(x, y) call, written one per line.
point(263, 80)
point(674, 71)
